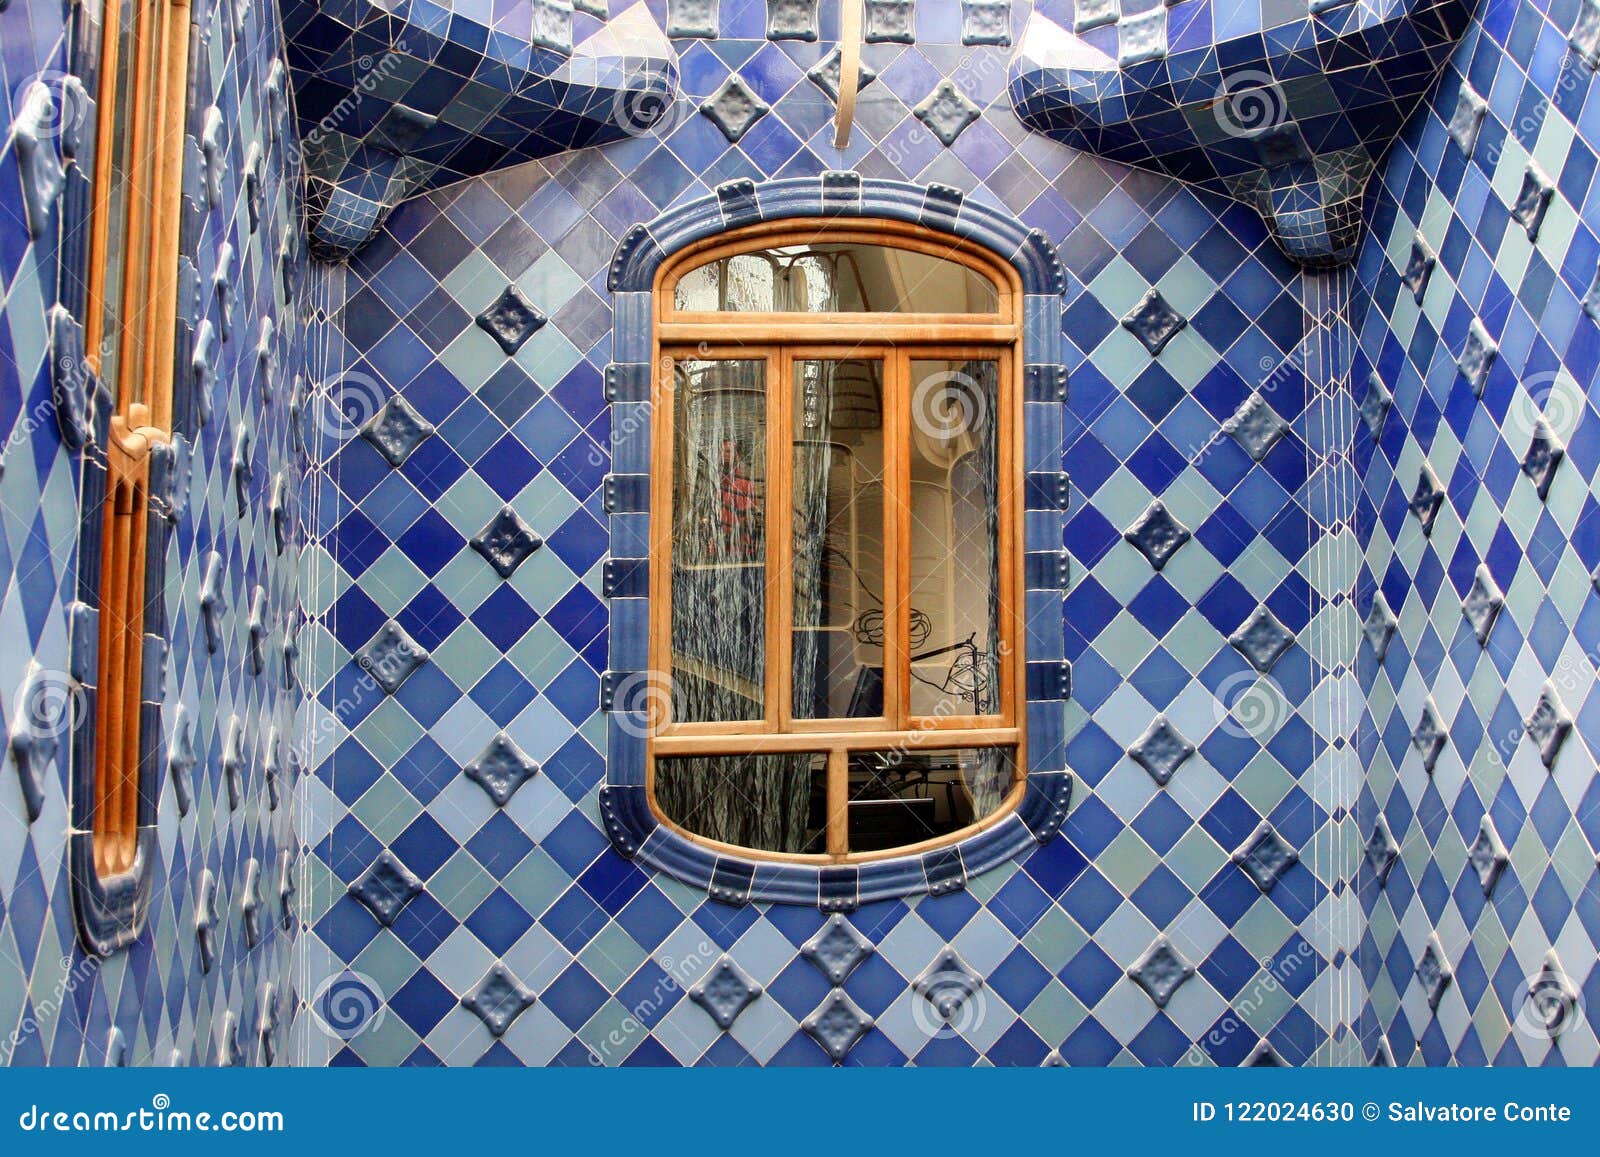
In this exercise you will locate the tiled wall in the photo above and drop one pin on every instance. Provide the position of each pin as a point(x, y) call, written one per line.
point(604, 951)
point(159, 1002)
point(1517, 112)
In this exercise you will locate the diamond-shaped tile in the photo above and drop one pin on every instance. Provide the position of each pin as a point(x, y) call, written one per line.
point(1264, 1056)
point(791, 19)
point(693, 18)
point(825, 74)
point(1428, 737)
point(1161, 971)
point(1262, 639)
point(391, 656)
point(1265, 857)
point(1256, 427)
point(837, 949)
point(947, 984)
point(501, 769)
point(1467, 119)
point(725, 992)
point(386, 887)
point(1095, 14)
point(511, 320)
point(1382, 850)
point(1427, 499)
point(986, 22)
point(397, 430)
point(498, 1000)
point(1161, 750)
point(506, 542)
point(1543, 458)
point(734, 107)
point(1478, 353)
point(1549, 725)
point(1154, 322)
point(1375, 405)
point(837, 1024)
point(1157, 534)
point(889, 22)
point(1419, 268)
point(1553, 1002)
point(1488, 855)
point(1533, 199)
point(947, 111)
point(1379, 626)
point(1433, 971)
point(1481, 606)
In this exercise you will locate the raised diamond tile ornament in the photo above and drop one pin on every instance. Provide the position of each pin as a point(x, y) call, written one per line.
point(1255, 425)
point(258, 625)
point(1161, 971)
point(1428, 737)
point(1142, 38)
point(837, 1024)
point(396, 430)
point(391, 656)
point(1433, 972)
point(734, 108)
point(205, 920)
point(1264, 1056)
point(986, 22)
point(506, 542)
point(45, 705)
point(1419, 268)
point(243, 470)
point(211, 601)
point(511, 320)
point(1549, 725)
point(233, 762)
point(1478, 353)
point(1533, 200)
point(1379, 626)
point(181, 760)
point(38, 163)
point(1154, 322)
point(837, 949)
point(1488, 855)
point(1265, 857)
point(1262, 639)
point(725, 992)
point(1585, 38)
point(693, 18)
point(791, 19)
point(1543, 459)
point(1375, 405)
point(501, 769)
point(947, 985)
point(825, 74)
point(1382, 850)
point(386, 887)
point(1467, 119)
point(1427, 498)
point(250, 902)
point(890, 22)
point(947, 111)
point(552, 25)
point(1481, 606)
point(498, 1000)
point(1161, 750)
point(1157, 534)
point(286, 890)
point(1553, 1004)
point(1092, 14)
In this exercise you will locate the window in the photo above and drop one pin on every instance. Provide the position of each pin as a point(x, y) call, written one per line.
point(836, 583)
point(131, 334)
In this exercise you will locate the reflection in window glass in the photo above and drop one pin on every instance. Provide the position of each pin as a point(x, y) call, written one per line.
point(719, 567)
point(771, 803)
point(905, 797)
point(838, 553)
point(955, 557)
point(836, 278)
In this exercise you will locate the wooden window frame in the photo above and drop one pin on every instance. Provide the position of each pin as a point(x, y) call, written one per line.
point(144, 334)
point(781, 339)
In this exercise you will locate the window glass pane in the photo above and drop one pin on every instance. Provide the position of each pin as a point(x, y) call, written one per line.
point(955, 563)
point(771, 803)
point(836, 278)
point(905, 797)
point(838, 553)
point(719, 570)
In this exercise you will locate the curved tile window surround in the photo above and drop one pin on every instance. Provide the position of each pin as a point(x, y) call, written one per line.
point(628, 689)
point(1287, 113)
point(396, 98)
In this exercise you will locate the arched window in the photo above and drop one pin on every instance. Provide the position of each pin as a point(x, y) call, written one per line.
point(836, 578)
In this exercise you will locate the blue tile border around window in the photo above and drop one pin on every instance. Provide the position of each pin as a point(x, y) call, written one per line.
point(634, 830)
